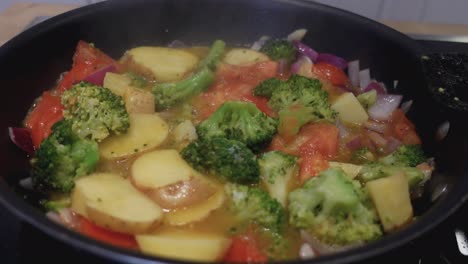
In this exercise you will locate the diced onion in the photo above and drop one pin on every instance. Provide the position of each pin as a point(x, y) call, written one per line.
point(355, 143)
point(384, 106)
point(97, 77)
point(333, 60)
point(375, 126)
point(26, 183)
point(319, 247)
point(353, 72)
point(257, 45)
point(392, 144)
point(375, 86)
point(297, 34)
point(442, 130)
point(342, 130)
point(364, 78)
point(302, 66)
point(177, 44)
point(283, 66)
point(405, 107)
point(306, 251)
point(54, 216)
point(377, 139)
point(68, 218)
point(21, 137)
point(306, 50)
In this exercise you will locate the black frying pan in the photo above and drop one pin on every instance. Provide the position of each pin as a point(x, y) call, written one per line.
point(32, 61)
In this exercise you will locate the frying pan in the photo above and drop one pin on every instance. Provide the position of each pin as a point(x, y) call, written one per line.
point(32, 61)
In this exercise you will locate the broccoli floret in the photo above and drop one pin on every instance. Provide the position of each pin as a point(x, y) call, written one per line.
point(255, 205)
point(405, 155)
point(229, 159)
point(267, 87)
point(367, 99)
point(375, 171)
point(241, 121)
point(56, 205)
point(276, 171)
point(137, 80)
point(170, 94)
point(335, 209)
point(61, 158)
point(278, 49)
point(362, 156)
point(95, 112)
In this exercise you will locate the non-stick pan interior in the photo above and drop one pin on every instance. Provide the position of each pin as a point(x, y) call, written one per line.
point(31, 63)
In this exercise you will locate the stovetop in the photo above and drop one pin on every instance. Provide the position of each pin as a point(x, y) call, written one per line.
point(22, 243)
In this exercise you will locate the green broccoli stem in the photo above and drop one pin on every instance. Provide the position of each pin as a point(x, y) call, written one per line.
point(214, 55)
point(55, 205)
point(376, 171)
point(169, 94)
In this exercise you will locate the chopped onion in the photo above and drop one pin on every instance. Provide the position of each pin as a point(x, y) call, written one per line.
point(297, 34)
point(375, 126)
point(177, 44)
point(364, 78)
point(257, 45)
point(442, 130)
point(306, 251)
point(333, 60)
point(342, 130)
point(384, 106)
point(54, 216)
point(377, 139)
point(97, 77)
point(305, 50)
point(302, 66)
point(375, 86)
point(283, 66)
point(392, 145)
point(395, 84)
point(405, 107)
point(319, 247)
point(26, 183)
point(353, 72)
point(21, 137)
point(355, 143)
point(68, 218)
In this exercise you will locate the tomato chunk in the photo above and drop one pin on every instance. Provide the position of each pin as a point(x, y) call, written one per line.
point(402, 128)
point(331, 73)
point(311, 166)
point(244, 249)
point(88, 228)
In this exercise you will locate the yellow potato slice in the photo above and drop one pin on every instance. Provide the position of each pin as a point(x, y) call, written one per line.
point(184, 245)
point(195, 212)
point(166, 64)
point(146, 131)
point(391, 198)
point(112, 202)
point(349, 109)
point(244, 57)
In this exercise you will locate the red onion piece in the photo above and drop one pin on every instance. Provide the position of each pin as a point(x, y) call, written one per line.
point(342, 130)
point(68, 217)
point(377, 139)
point(176, 44)
point(257, 45)
point(333, 60)
point(374, 86)
point(306, 251)
point(305, 50)
point(321, 248)
point(97, 77)
point(54, 216)
point(392, 145)
point(384, 106)
point(302, 66)
point(353, 72)
point(442, 130)
point(21, 137)
point(364, 78)
point(355, 143)
point(405, 106)
point(375, 126)
point(297, 35)
point(283, 66)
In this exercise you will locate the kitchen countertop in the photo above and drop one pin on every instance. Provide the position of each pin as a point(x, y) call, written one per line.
point(18, 16)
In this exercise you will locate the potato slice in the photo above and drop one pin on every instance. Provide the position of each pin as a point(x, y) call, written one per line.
point(352, 170)
point(139, 101)
point(349, 109)
point(196, 212)
point(117, 83)
point(166, 64)
point(112, 202)
point(146, 131)
point(160, 168)
point(244, 57)
point(184, 245)
point(391, 197)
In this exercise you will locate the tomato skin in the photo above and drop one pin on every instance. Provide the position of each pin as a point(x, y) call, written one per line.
point(88, 228)
point(402, 128)
point(235, 83)
point(331, 73)
point(86, 60)
point(322, 139)
point(244, 249)
point(311, 166)
point(47, 112)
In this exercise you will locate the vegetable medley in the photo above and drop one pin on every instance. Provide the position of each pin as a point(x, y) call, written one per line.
point(257, 154)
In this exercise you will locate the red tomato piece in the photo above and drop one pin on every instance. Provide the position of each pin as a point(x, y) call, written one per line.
point(322, 138)
point(331, 73)
point(47, 112)
point(311, 166)
point(244, 249)
point(87, 59)
point(88, 228)
point(402, 128)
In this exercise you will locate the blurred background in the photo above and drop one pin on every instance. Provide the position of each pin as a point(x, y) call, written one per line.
point(433, 11)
